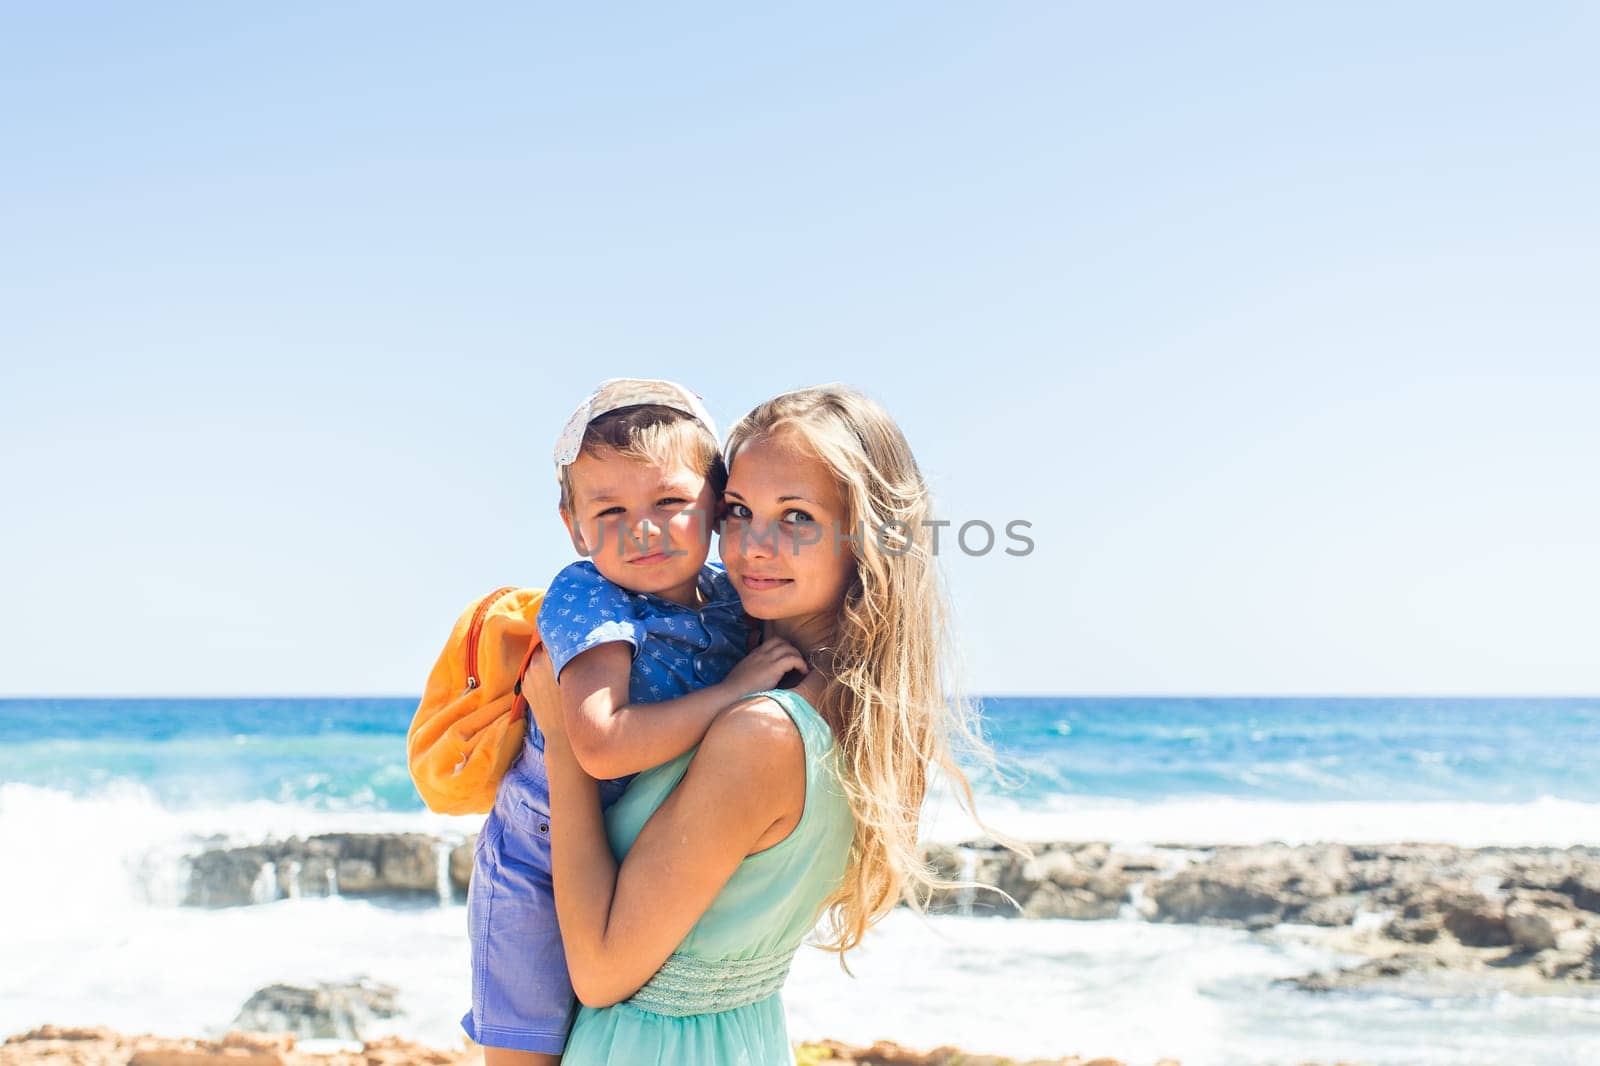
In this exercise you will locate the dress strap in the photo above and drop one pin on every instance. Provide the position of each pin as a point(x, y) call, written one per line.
point(814, 729)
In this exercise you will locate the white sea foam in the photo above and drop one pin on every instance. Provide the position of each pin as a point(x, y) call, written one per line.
point(120, 847)
point(93, 933)
point(1547, 821)
point(1141, 991)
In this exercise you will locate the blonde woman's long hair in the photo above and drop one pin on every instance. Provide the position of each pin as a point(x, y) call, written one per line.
point(891, 684)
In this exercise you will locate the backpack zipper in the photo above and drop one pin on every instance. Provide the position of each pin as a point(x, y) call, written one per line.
point(475, 628)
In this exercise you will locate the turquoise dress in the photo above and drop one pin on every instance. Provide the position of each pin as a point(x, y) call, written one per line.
point(716, 1001)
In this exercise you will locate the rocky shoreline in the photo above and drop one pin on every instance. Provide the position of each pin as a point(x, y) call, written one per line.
point(1520, 919)
point(332, 864)
point(1422, 919)
point(1523, 919)
point(53, 1045)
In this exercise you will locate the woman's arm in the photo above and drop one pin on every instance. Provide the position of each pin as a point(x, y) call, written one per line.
point(742, 788)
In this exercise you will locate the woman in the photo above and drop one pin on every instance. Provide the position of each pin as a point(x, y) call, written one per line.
point(682, 906)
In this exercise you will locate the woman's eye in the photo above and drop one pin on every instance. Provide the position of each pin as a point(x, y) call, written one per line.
point(738, 510)
point(805, 516)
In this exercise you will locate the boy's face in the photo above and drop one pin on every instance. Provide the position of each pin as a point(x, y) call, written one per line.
point(646, 527)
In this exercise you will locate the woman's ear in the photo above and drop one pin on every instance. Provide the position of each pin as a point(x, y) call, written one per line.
point(574, 532)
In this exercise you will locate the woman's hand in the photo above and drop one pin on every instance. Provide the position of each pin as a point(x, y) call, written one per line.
point(539, 688)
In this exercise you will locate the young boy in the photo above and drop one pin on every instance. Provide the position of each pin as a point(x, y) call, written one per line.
point(648, 643)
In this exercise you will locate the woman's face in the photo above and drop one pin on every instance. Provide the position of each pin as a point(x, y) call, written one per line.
point(782, 534)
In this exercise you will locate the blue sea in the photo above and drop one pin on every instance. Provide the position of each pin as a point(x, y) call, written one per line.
point(101, 800)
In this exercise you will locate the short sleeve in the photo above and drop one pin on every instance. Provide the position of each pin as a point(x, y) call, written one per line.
point(582, 610)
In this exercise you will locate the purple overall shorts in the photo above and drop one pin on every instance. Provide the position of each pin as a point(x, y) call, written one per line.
point(521, 995)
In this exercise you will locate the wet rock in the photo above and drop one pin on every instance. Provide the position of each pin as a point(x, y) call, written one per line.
point(1583, 887)
point(1209, 895)
point(1140, 864)
point(399, 862)
point(1557, 964)
point(1489, 918)
point(1083, 881)
point(461, 857)
point(357, 877)
point(1477, 922)
point(343, 863)
point(1535, 919)
point(1335, 911)
point(1404, 964)
point(1421, 930)
point(1578, 941)
point(323, 1011)
point(227, 878)
point(1050, 900)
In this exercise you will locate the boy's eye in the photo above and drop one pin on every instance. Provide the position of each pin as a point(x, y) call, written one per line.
point(609, 511)
point(672, 499)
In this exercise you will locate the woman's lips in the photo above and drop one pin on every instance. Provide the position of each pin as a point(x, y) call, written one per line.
point(763, 583)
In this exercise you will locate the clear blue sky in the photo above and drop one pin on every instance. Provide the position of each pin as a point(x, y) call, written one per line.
point(1280, 323)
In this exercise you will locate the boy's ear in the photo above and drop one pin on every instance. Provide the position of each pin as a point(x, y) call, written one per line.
point(574, 532)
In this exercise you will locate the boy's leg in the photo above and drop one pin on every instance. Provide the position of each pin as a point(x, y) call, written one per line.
point(505, 1056)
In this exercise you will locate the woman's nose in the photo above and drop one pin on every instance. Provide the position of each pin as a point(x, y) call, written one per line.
point(756, 541)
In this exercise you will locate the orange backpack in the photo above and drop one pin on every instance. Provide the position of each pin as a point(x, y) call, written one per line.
point(472, 719)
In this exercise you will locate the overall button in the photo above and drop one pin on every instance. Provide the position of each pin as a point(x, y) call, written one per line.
point(530, 816)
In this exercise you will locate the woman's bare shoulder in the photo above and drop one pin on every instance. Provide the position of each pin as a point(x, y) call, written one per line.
point(755, 732)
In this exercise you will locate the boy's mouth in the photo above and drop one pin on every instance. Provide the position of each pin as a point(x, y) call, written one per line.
point(648, 560)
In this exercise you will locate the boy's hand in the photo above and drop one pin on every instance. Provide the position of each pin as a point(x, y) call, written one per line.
point(764, 667)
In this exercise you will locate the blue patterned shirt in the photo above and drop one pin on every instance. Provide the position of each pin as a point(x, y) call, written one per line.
point(676, 649)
